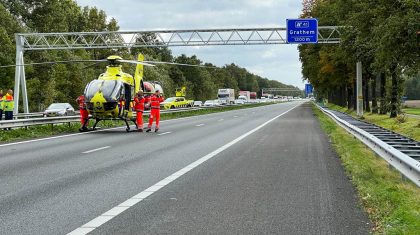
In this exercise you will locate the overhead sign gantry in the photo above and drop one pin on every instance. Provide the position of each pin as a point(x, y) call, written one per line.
point(161, 38)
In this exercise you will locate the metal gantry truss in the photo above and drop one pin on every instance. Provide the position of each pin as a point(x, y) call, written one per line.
point(166, 38)
point(155, 38)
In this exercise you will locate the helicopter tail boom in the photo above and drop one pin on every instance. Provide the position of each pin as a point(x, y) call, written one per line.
point(138, 76)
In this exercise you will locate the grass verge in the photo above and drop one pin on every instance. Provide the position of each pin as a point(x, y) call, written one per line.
point(68, 128)
point(410, 127)
point(392, 204)
point(415, 111)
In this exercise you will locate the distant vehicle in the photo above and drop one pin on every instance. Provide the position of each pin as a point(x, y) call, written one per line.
point(59, 109)
point(209, 103)
point(267, 96)
point(245, 95)
point(198, 103)
point(243, 99)
point(218, 103)
point(240, 101)
point(226, 96)
point(176, 102)
point(253, 95)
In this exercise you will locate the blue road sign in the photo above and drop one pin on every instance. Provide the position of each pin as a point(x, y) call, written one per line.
point(308, 89)
point(302, 30)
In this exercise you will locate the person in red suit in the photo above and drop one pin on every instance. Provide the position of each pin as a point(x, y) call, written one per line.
point(84, 114)
point(139, 101)
point(155, 101)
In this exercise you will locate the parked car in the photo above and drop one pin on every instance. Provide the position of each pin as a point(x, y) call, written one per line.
point(198, 103)
point(59, 109)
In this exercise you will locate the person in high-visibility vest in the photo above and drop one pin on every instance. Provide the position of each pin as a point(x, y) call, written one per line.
point(8, 105)
point(139, 101)
point(1, 105)
point(155, 101)
point(84, 114)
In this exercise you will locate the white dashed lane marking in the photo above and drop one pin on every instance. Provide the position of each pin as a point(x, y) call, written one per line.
point(165, 133)
point(98, 149)
point(200, 125)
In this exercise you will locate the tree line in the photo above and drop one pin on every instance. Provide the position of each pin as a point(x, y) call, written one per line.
point(382, 34)
point(64, 82)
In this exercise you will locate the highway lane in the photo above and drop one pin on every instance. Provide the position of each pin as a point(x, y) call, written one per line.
point(53, 187)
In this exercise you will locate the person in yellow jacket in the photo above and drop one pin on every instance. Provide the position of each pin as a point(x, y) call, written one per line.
point(1, 105)
point(8, 105)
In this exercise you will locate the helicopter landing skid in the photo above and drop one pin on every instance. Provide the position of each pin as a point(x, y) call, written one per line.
point(128, 129)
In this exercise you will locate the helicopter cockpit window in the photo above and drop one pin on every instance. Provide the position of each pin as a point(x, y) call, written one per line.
point(110, 89)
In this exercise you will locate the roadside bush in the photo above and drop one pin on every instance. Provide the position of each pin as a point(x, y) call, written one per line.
point(401, 118)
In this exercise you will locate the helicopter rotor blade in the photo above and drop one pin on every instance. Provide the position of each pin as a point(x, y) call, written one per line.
point(180, 64)
point(53, 62)
point(136, 62)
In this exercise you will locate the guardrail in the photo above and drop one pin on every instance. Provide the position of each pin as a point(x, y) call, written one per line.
point(68, 119)
point(407, 166)
point(25, 115)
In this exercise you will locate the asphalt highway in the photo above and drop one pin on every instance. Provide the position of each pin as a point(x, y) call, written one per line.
point(265, 170)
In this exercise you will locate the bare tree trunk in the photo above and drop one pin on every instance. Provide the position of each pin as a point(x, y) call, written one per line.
point(374, 94)
point(383, 107)
point(366, 93)
point(349, 96)
point(394, 92)
point(343, 96)
point(354, 95)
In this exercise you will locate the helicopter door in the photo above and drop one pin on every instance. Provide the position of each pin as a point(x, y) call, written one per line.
point(128, 90)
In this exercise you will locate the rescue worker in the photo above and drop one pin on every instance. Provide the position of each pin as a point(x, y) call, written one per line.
point(84, 114)
point(155, 101)
point(1, 105)
point(8, 105)
point(139, 101)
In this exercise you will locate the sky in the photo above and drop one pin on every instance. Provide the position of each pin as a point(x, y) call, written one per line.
point(276, 62)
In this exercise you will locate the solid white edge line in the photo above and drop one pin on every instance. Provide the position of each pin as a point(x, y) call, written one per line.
point(114, 128)
point(113, 212)
point(97, 149)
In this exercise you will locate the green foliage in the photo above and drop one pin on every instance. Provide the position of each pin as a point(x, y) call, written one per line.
point(414, 111)
point(412, 88)
point(401, 118)
point(382, 34)
point(392, 204)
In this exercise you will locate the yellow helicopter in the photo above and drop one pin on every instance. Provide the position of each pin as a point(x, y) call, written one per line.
point(110, 96)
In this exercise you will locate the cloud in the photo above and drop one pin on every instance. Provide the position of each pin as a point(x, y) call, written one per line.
point(279, 62)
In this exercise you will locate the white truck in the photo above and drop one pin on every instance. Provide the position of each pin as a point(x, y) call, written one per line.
point(226, 96)
point(245, 96)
